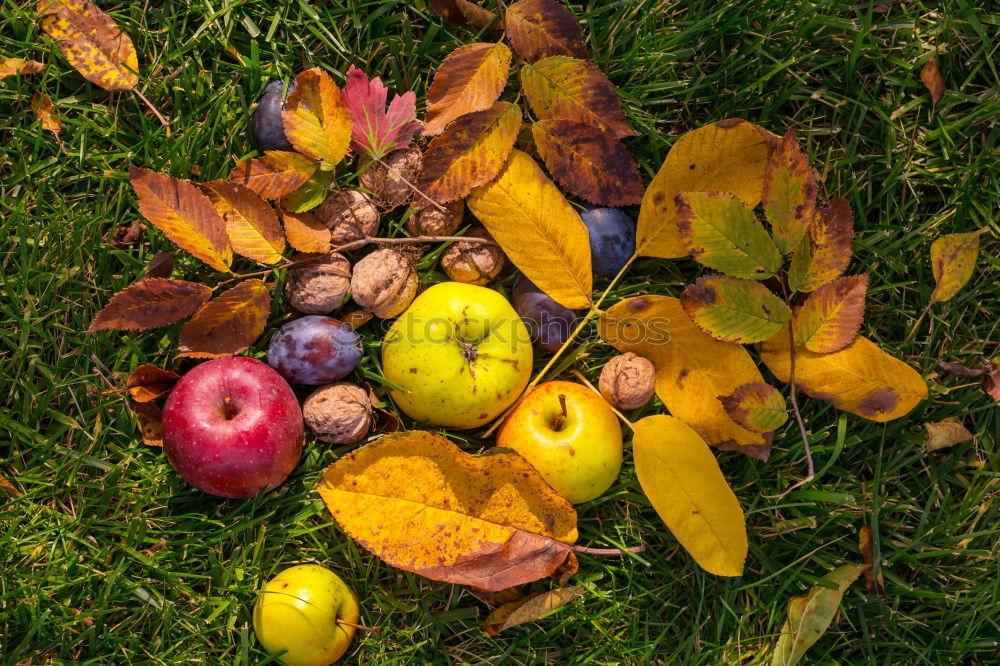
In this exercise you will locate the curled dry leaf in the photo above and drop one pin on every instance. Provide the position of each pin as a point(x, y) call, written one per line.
point(229, 323)
point(376, 130)
point(470, 153)
point(42, 106)
point(564, 87)
point(861, 378)
point(8, 487)
point(306, 232)
point(151, 303)
point(789, 194)
point(945, 433)
point(92, 43)
point(540, 28)
point(184, 214)
point(12, 66)
point(931, 77)
point(148, 382)
point(734, 310)
point(275, 174)
point(461, 12)
point(810, 614)
point(538, 230)
point(873, 583)
point(991, 380)
point(826, 250)
point(530, 608)
point(830, 318)
point(758, 407)
point(960, 370)
point(590, 162)
point(953, 260)
point(420, 504)
point(469, 79)
point(161, 265)
point(251, 224)
point(727, 156)
point(149, 420)
point(316, 120)
point(683, 482)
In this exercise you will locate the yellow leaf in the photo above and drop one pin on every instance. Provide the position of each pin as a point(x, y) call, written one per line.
point(275, 174)
point(953, 260)
point(306, 232)
point(693, 370)
point(12, 66)
point(251, 223)
point(945, 433)
point(469, 79)
point(91, 42)
point(538, 230)
point(42, 106)
point(728, 156)
point(316, 120)
point(420, 504)
point(229, 323)
point(861, 378)
point(530, 608)
point(683, 482)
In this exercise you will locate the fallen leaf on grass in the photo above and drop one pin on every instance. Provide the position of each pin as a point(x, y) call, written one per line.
point(758, 407)
point(932, 79)
point(540, 28)
point(874, 584)
point(151, 303)
point(789, 194)
point(945, 433)
point(960, 370)
point(953, 260)
point(149, 420)
point(9, 488)
point(229, 323)
point(461, 12)
point(129, 234)
point(12, 66)
point(275, 174)
point(149, 382)
point(42, 106)
point(471, 78)
point(376, 130)
point(830, 318)
point(92, 43)
point(161, 265)
point(499, 598)
point(826, 250)
point(530, 608)
point(734, 310)
point(306, 232)
point(991, 380)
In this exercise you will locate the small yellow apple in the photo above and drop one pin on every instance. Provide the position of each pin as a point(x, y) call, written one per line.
point(460, 354)
point(570, 435)
point(298, 611)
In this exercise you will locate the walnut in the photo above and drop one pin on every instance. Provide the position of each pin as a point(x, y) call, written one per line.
point(628, 381)
point(384, 283)
point(319, 287)
point(473, 263)
point(340, 413)
point(350, 215)
point(389, 182)
point(431, 221)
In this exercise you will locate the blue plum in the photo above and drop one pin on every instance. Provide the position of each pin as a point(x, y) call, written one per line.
point(548, 323)
point(268, 131)
point(612, 239)
point(314, 350)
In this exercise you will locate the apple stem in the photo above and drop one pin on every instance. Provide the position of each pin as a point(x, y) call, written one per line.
point(607, 551)
point(561, 417)
point(359, 627)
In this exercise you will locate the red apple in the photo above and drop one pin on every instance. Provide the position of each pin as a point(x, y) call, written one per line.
point(232, 427)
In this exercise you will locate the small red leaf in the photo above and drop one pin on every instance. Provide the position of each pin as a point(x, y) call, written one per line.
point(376, 131)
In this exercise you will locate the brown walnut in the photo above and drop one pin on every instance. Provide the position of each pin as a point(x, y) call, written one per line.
point(384, 282)
point(473, 263)
point(628, 381)
point(340, 413)
point(350, 215)
point(388, 180)
point(319, 287)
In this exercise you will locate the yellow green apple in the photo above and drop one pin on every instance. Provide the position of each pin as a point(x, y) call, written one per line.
point(459, 355)
point(570, 435)
point(308, 612)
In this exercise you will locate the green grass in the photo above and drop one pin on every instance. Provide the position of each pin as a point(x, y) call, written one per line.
point(108, 557)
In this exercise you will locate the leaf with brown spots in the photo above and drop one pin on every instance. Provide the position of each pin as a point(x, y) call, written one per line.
point(564, 87)
point(590, 162)
point(729, 156)
point(734, 310)
point(306, 232)
point(758, 407)
point(830, 318)
point(470, 153)
point(531, 608)
point(149, 382)
point(953, 260)
point(826, 250)
point(316, 120)
point(275, 174)
point(419, 503)
point(229, 323)
point(932, 80)
point(184, 214)
point(42, 106)
point(861, 378)
point(149, 420)
point(92, 43)
point(540, 28)
point(151, 303)
point(469, 79)
point(991, 380)
point(461, 12)
point(789, 194)
point(945, 433)
point(12, 66)
point(251, 223)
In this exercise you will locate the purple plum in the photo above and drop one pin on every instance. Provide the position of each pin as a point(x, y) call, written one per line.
point(314, 350)
point(549, 324)
point(268, 130)
point(612, 239)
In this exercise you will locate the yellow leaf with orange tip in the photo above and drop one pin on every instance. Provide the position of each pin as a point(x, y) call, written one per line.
point(861, 378)
point(953, 260)
point(316, 120)
point(469, 79)
point(537, 229)
point(229, 323)
point(419, 503)
point(251, 224)
point(683, 482)
point(728, 156)
point(306, 232)
point(274, 174)
point(91, 42)
point(12, 66)
point(789, 195)
point(830, 318)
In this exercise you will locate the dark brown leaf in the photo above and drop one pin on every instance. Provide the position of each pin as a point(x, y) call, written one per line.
point(540, 28)
point(151, 303)
point(149, 420)
point(128, 235)
point(933, 80)
point(991, 381)
point(461, 12)
point(229, 323)
point(161, 265)
point(149, 382)
point(960, 370)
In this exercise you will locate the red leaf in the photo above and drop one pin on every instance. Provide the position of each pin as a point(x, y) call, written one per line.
point(376, 131)
point(151, 303)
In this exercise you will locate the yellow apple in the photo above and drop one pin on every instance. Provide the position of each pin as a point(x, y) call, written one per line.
point(460, 356)
point(570, 435)
point(298, 611)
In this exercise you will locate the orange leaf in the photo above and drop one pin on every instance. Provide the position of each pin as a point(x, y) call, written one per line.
point(148, 382)
point(229, 323)
point(149, 419)
point(421, 504)
point(151, 303)
point(932, 79)
point(789, 194)
point(470, 79)
point(540, 28)
point(461, 12)
point(251, 223)
point(588, 161)
point(826, 251)
point(275, 174)
point(42, 106)
point(184, 215)
point(12, 66)
point(9, 488)
point(530, 608)
point(830, 318)
point(91, 42)
point(316, 120)
point(306, 232)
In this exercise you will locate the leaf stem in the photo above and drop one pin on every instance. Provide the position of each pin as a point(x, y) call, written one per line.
point(163, 121)
point(411, 185)
point(607, 551)
point(811, 474)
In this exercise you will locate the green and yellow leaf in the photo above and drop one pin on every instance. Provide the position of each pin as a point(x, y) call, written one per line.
point(953, 260)
point(316, 120)
point(92, 43)
point(789, 194)
point(734, 310)
point(229, 323)
point(310, 195)
point(540, 28)
point(830, 318)
point(758, 407)
point(251, 224)
point(826, 250)
point(275, 174)
point(469, 79)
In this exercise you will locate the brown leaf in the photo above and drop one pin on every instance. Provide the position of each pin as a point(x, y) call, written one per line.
point(306, 232)
point(251, 223)
point(92, 43)
point(151, 303)
point(229, 323)
point(42, 106)
point(275, 174)
point(461, 12)
point(9, 488)
point(184, 215)
point(960, 370)
point(469, 79)
point(991, 380)
point(530, 608)
point(149, 420)
point(826, 251)
point(149, 382)
point(12, 66)
point(865, 545)
point(945, 433)
point(540, 28)
point(590, 162)
point(830, 318)
point(160, 266)
point(933, 80)
point(127, 235)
